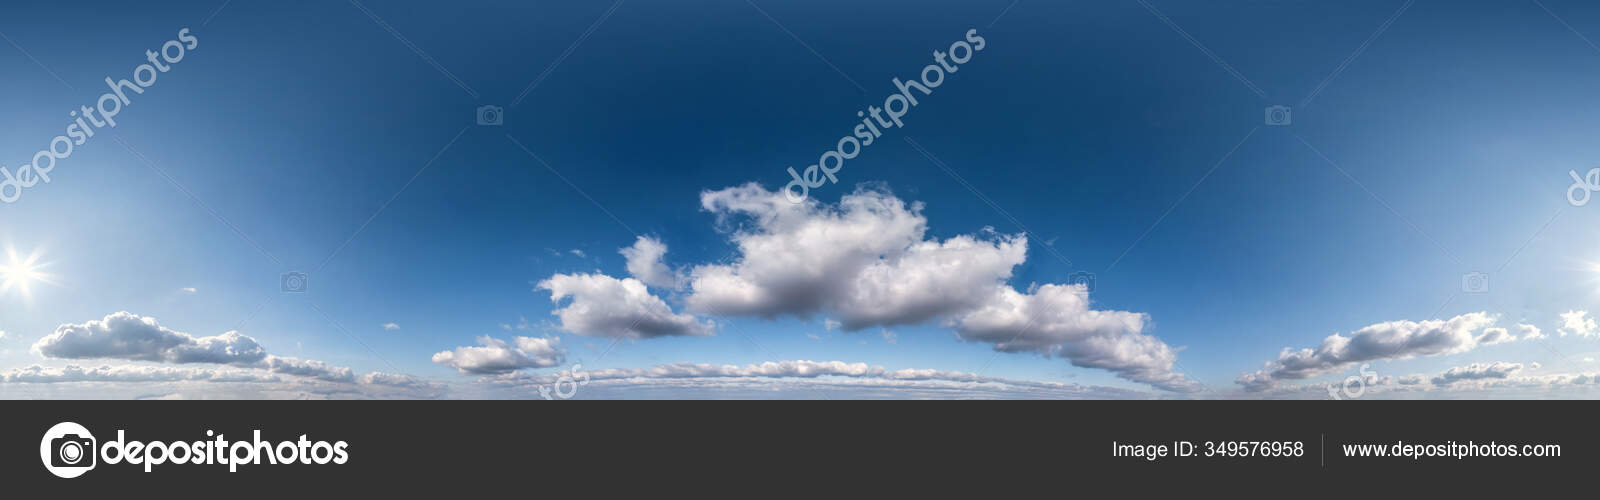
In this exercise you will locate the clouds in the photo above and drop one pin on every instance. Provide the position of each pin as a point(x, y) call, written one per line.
point(1397, 340)
point(496, 356)
point(1388, 340)
point(1056, 320)
point(235, 359)
point(645, 263)
point(603, 306)
point(805, 379)
point(391, 326)
point(309, 368)
point(1493, 336)
point(802, 259)
point(204, 382)
point(1476, 371)
point(930, 280)
point(36, 374)
point(866, 262)
point(397, 380)
point(1461, 381)
point(1530, 332)
point(127, 336)
point(863, 262)
point(124, 335)
point(1578, 323)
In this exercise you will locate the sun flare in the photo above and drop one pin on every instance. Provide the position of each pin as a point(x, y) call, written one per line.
point(21, 273)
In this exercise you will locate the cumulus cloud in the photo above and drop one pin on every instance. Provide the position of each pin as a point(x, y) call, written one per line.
point(1388, 340)
point(1259, 381)
point(1492, 336)
point(391, 326)
point(309, 368)
point(125, 335)
point(603, 306)
point(1577, 323)
point(496, 356)
point(861, 263)
point(867, 262)
point(1056, 320)
point(645, 263)
point(1530, 332)
point(1475, 371)
point(130, 337)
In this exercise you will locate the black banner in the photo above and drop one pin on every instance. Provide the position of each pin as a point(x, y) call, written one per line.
point(469, 448)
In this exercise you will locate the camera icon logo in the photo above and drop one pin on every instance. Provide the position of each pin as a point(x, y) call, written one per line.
point(1082, 278)
point(491, 115)
point(68, 450)
point(293, 282)
point(1475, 282)
point(1279, 116)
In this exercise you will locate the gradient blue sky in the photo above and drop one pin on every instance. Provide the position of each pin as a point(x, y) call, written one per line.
point(298, 121)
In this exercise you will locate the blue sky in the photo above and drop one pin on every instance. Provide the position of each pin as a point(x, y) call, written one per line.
point(1438, 144)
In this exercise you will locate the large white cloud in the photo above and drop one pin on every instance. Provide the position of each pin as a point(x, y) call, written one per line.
point(1388, 340)
point(1056, 320)
point(645, 263)
point(1577, 323)
point(1530, 332)
point(498, 356)
point(930, 280)
point(808, 258)
point(867, 262)
point(603, 306)
point(125, 335)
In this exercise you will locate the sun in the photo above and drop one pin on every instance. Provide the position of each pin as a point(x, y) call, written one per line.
point(21, 273)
